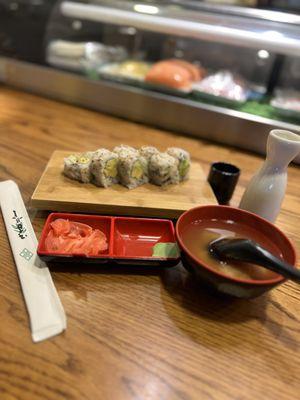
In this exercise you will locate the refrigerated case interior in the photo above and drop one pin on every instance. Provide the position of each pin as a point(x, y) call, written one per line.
point(225, 45)
point(214, 70)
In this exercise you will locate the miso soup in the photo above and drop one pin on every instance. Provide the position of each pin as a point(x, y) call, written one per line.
point(198, 236)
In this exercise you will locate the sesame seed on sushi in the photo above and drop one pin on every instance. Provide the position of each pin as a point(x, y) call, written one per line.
point(77, 167)
point(184, 161)
point(163, 169)
point(133, 170)
point(148, 151)
point(124, 150)
point(104, 168)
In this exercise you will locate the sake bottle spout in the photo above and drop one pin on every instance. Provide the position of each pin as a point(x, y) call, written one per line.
point(282, 147)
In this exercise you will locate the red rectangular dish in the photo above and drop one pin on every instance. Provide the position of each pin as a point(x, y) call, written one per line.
point(132, 241)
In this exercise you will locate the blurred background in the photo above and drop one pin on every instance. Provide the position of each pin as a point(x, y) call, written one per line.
point(106, 55)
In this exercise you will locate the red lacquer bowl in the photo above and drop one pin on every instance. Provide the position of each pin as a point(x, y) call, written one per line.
point(242, 288)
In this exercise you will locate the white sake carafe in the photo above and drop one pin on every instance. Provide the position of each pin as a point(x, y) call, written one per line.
point(266, 190)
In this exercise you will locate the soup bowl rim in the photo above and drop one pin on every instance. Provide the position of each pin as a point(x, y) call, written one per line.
point(202, 264)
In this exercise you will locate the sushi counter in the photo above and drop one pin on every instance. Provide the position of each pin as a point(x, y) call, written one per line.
point(138, 335)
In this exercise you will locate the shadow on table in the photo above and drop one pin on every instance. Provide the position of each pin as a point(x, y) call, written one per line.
point(258, 329)
point(201, 300)
point(82, 279)
point(218, 320)
point(107, 269)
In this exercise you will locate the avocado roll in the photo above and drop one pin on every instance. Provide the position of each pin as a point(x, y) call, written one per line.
point(132, 170)
point(77, 166)
point(163, 169)
point(183, 159)
point(104, 168)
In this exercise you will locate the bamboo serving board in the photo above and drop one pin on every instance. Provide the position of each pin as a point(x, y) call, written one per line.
point(56, 192)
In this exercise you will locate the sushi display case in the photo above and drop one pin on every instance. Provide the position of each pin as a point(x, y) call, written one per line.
point(219, 73)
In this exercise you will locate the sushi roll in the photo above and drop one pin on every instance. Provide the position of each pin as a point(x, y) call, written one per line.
point(123, 150)
point(77, 166)
point(133, 170)
point(184, 161)
point(148, 151)
point(163, 169)
point(104, 168)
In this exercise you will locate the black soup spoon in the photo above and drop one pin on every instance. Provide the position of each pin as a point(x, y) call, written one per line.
point(251, 252)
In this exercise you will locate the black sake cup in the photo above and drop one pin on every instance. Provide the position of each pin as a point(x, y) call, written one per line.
point(223, 178)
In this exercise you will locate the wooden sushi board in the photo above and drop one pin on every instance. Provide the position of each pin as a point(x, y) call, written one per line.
point(56, 192)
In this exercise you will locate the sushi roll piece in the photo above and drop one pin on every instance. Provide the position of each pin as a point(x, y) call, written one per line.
point(77, 166)
point(123, 150)
point(133, 170)
point(148, 151)
point(104, 168)
point(163, 169)
point(184, 161)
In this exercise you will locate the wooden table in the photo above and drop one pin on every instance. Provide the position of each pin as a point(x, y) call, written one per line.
point(138, 337)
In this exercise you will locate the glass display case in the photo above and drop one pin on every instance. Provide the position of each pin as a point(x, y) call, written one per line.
point(225, 73)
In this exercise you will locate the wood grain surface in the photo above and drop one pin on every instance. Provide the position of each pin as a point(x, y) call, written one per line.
point(138, 336)
point(56, 192)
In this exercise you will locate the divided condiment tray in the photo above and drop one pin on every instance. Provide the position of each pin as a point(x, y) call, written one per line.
point(132, 241)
